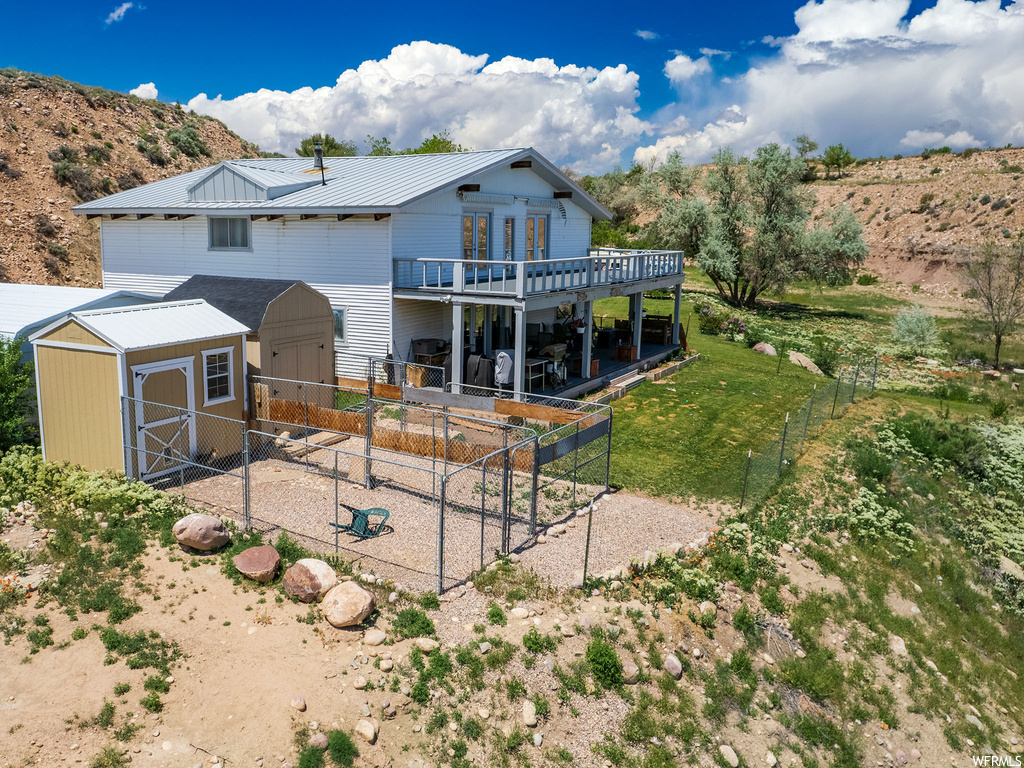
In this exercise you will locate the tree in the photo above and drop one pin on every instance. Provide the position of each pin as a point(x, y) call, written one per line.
point(15, 403)
point(331, 146)
point(805, 147)
point(378, 147)
point(752, 235)
point(915, 330)
point(439, 143)
point(996, 273)
point(837, 156)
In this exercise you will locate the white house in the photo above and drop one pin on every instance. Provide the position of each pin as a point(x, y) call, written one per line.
point(405, 247)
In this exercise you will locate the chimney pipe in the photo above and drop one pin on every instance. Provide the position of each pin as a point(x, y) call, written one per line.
point(318, 162)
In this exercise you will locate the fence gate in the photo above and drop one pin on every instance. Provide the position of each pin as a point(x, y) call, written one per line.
point(165, 424)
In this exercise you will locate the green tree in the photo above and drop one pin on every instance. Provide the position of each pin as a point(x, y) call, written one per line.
point(805, 147)
point(753, 235)
point(837, 156)
point(439, 143)
point(331, 146)
point(16, 381)
point(378, 147)
point(996, 273)
point(915, 330)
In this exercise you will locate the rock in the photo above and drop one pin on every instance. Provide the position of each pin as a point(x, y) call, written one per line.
point(916, 754)
point(708, 607)
point(764, 348)
point(729, 754)
point(538, 739)
point(798, 358)
point(768, 658)
point(901, 757)
point(374, 637)
point(365, 731)
point(931, 665)
point(529, 713)
point(898, 646)
point(577, 580)
point(484, 713)
point(975, 722)
point(393, 597)
point(258, 563)
point(426, 644)
point(203, 532)
point(787, 547)
point(697, 653)
point(519, 613)
point(386, 665)
point(299, 703)
point(485, 648)
point(359, 683)
point(630, 673)
point(770, 760)
point(1010, 568)
point(309, 580)
point(673, 666)
point(318, 740)
point(347, 605)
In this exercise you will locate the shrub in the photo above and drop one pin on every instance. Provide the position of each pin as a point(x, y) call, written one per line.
point(152, 152)
point(429, 601)
point(130, 180)
point(866, 279)
point(604, 663)
point(915, 330)
point(708, 320)
point(187, 140)
point(341, 749)
point(496, 616)
point(152, 702)
point(97, 154)
point(985, 199)
point(6, 169)
point(825, 356)
point(924, 202)
point(535, 642)
point(57, 250)
point(311, 757)
point(997, 409)
point(69, 172)
point(412, 622)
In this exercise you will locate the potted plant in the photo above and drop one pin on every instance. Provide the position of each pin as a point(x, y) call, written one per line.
point(579, 323)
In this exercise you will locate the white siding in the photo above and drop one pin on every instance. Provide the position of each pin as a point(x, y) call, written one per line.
point(419, 320)
point(346, 261)
point(421, 235)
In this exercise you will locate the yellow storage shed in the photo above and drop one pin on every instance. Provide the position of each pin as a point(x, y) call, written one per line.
point(154, 369)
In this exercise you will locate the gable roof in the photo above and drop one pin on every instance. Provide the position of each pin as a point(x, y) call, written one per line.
point(354, 184)
point(244, 298)
point(24, 306)
point(153, 325)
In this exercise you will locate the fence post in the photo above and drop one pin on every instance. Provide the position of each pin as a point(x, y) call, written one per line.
point(810, 409)
point(856, 374)
point(743, 495)
point(246, 503)
point(782, 451)
point(874, 376)
point(335, 502)
point(369, 430)
point(536, 476)
point(440, 536)
point(575, 464)
point(586, 552)
point(839, 381)
point(483, 507)
point(181, 464)
point(506, 491)
point(608, 455)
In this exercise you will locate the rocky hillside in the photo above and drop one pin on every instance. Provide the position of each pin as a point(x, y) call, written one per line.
point(918, 212)
point(62, 143)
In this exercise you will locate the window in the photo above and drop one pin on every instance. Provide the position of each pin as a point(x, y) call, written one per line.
point(474, 235)
point(229, 232)
point(509, 240)
point(339, 326)
point(218, 375)
point(536, 236)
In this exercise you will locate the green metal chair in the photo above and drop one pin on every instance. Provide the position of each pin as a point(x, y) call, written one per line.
point(366, 523)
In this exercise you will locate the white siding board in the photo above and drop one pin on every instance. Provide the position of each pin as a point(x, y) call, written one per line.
point(419, 320)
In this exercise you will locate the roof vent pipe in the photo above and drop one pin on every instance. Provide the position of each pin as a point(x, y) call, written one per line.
point(318, 162)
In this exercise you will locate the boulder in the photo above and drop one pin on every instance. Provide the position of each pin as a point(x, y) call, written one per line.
point(764, 348)
point(203, 532)
point(730, 755)
point(529, 714)
point(708, 607)
point(1009, 567)
point(898, 646)
point(257, 563)
point(299, 703)
point(673, 666)
point(347, 605)
point(630, 673)
point(318, 740)
point(365, 731)
point(374, 637)
point(798, 358)
point(309, 579)
point(426, 644)
point(519, 613)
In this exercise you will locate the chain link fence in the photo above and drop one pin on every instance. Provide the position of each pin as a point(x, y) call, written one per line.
point(761, 471)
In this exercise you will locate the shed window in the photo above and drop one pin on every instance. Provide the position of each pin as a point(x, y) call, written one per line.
point(229, 232)
point(218, 375)
point(339, 326)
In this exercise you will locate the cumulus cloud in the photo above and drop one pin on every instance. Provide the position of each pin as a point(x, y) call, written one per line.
point(118, 13)
point(144, 91)
point(575, 115)
point(683, 68)
point(864, 73)
point(646, 34)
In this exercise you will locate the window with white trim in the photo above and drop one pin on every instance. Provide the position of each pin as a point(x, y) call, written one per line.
point(229, 233)
point(339, 325)
point(218, 375)
point(475, 228)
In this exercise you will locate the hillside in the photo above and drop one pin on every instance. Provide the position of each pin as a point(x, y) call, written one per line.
point(62, 143)
point(917, 211)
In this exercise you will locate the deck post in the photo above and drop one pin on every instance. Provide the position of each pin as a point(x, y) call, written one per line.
point(458, 343)
point(638, 312)
point(588, 339)
point(676, 313)
point(472, 328)
point(520, 349)
point(488, 329)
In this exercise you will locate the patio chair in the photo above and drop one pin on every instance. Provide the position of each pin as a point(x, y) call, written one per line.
point(362, 525)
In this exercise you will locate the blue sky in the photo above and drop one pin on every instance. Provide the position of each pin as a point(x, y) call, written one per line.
point(882, 76)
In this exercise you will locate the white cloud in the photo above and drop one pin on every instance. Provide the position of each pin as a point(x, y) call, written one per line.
point(646, 34)
point(118, 13)
point(576, 115)
point(709, 52)
point(144, 91)
point(683, 68)
point(863, 73)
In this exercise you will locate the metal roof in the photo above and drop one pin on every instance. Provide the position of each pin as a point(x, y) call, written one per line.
point(24, 306)
point(354, 184)
point(155, 325)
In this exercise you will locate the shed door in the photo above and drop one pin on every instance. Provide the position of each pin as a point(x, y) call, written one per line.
point(301, 361)
point(165, 417)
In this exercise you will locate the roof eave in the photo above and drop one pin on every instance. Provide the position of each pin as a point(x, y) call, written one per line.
point(240, 210)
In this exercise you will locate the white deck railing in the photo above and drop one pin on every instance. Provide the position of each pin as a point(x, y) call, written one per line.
point(600, 267)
